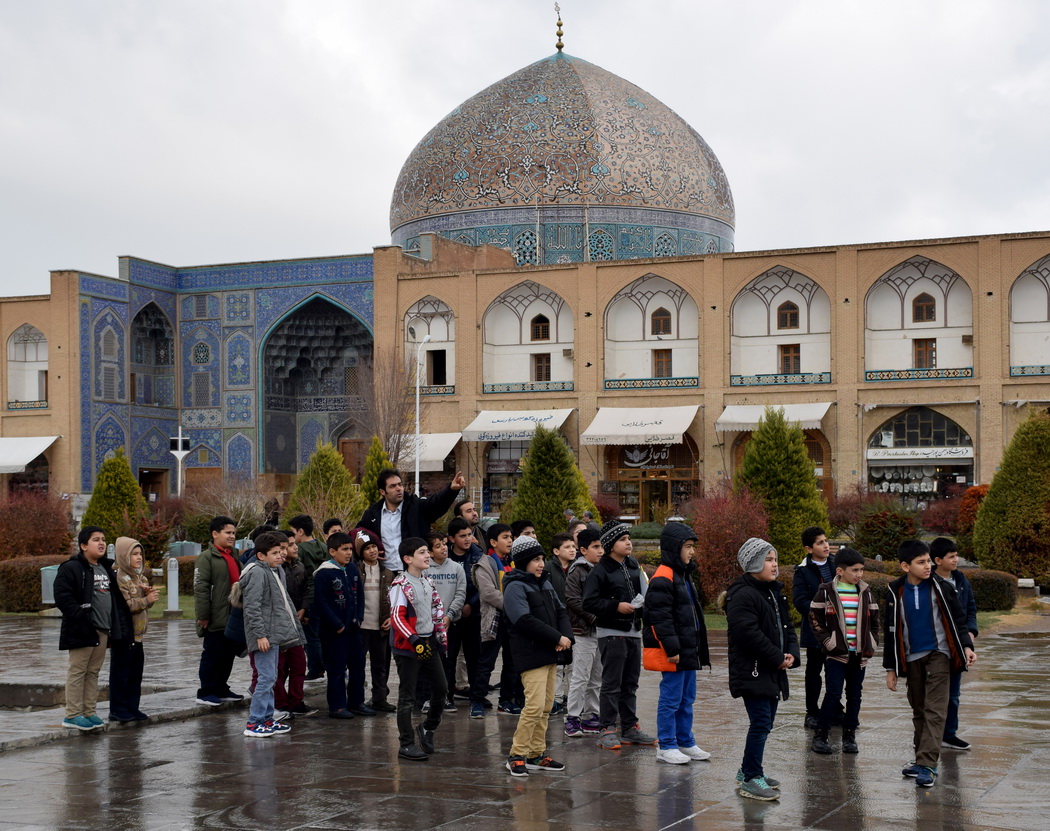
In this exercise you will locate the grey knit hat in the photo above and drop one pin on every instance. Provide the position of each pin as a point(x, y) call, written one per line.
point(752, 555)
point(523, 550)
point(611, 532)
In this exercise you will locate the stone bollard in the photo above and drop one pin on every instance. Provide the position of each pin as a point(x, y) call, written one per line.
point(172, 569)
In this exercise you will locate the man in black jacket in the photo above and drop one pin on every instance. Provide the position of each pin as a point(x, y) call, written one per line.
point(398, 516)
point(93, 614)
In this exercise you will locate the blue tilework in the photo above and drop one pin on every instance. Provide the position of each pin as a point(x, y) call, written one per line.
point(240, 276)
point(103, 287)
point(165, 301)
point(310, 432)
point(240, 355)
point(87, 469)
point(240, 409)
point(274, 304)
point(108, 437)
point(239, 456)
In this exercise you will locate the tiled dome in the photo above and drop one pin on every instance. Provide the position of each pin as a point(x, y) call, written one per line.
point(559, 154)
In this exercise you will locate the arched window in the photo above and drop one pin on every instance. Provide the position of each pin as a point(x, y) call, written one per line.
point(109, 345)
point(540, 328)
point(660, 323)
point(923, 309)
point(27, 366)
point(787, 316)
point(201, 353)
point(600, 244)
point(525, 248)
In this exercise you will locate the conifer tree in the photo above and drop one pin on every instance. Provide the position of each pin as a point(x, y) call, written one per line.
point(116, 494)
point(375, 461)
point(325, 489)
point(777, 470)
point(550, 483)
point(1011, 532)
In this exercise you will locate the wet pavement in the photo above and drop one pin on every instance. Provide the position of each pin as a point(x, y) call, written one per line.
point(196, 771)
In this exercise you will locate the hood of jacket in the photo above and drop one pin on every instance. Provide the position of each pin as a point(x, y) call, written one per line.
point(123, 548)
point(579, 562)
point(518, 576)
point(672, 538)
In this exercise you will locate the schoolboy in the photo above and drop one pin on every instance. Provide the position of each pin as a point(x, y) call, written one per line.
point(465, 634)
point(586, 682)
point(451, 584)
point(312, 553)
point(270, 625)
point(925, 641)
point(762, 646)
point(91, 617)
point(332, 525)
point(488, 574)
point(817, 567)
point(614, 593)
point(375, 621)
point(127, 661)
point(338, 606)
point(523, 527)
point(945, 554)
point(673, 626)
point(563, 552)
point(540, 638)
point(215, 573)
point(288, 691)
point(845, 621)
point(417, 622)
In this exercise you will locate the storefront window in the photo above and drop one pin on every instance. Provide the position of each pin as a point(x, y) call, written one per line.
point(502, 473)
point(651, 481)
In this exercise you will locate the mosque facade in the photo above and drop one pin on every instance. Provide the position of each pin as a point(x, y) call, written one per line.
point(562, 254)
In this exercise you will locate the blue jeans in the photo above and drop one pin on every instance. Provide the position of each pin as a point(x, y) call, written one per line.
point(262, 699)
point(314, 659)
point(760, 712)
point(951, 721)
point(837, 675)
point(674, 711)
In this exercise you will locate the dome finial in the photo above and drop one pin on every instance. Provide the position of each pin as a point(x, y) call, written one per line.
point(559, 44)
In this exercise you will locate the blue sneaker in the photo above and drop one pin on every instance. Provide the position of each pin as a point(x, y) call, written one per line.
point(95, 721)
point(477, 710)
point(210, 700)
point(925, 777)
point(770, 781)
point(278, 727)
point(230, 695)
point(258, 729)
point(912, 770)
point(509, 708)
point(78, 723)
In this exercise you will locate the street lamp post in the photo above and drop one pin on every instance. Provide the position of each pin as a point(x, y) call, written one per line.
point(180, 449)
point(419, 356)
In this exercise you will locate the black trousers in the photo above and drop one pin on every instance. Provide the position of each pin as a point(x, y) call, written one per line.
point(377, 647)
point(409, 671)
point(216, 664)
point(125, 679)
point(621, 669)
point(464, 634)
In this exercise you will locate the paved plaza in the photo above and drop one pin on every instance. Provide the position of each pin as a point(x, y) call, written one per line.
point(190, 768)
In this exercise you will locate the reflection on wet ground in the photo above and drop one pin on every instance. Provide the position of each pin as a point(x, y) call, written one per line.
point(201, 773)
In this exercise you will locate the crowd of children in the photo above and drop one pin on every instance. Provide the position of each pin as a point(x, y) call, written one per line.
point(574, 631)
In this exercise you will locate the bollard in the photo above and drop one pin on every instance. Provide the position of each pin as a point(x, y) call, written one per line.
point(173, 589)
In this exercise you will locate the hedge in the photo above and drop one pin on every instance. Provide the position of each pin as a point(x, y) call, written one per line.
point(20, 582)
point(646, 531)
point(187, 565)
point(993, 591)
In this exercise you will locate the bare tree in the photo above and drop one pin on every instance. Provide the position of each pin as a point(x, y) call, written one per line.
point(390, 412)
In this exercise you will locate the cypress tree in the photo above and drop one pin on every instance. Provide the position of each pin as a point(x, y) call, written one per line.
point(777, 470)
point(325, 489)
point(116, 494)
point(375, 461)
point(1012, 532)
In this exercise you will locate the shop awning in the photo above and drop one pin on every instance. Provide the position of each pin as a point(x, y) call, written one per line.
point(741, 417)
point(16, 453)
point(434, 447)
point(512, 425)
point(639, 425)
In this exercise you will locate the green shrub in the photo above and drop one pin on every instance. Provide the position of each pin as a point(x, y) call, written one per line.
point(116, 492)
point(326, 489)
point(787, 577)
point(890, 566)
point(186, 568)
point(993, 591)
point(878, 582)
point(375, 462)
point(880, 532)
point(647, 558)
point(20, 582)
point(646, 531)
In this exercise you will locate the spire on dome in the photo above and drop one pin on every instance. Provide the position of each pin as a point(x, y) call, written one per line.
point(559, 44)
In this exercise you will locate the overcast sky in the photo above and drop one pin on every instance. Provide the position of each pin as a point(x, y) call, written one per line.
point(205, 131)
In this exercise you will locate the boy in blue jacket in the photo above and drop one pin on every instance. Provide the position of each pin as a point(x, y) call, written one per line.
point(945, 554)
point(339, 601)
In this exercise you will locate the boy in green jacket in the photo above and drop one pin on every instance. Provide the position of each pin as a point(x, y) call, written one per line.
point(216, 571)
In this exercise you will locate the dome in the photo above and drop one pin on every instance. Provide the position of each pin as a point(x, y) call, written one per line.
point(561, 162)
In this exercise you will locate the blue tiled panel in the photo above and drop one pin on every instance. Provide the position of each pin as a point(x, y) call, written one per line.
point(240, 409)
point(271, 305)
point(310, 432)
point(239, 456)
point(165, 301)
point(108, 437)
point(240, 276)
point(101, 287)
point(239, 360)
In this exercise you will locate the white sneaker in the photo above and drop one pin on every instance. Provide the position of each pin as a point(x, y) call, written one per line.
point(425, 707)
point(695, 753)
point(673, 756)
point(280, 715)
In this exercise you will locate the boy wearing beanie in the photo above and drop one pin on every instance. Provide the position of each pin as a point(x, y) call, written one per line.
point(540, 640)
point(762, 645)
point(614, 593)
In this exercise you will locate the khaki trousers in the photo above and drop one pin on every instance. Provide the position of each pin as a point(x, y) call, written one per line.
point(928, 680)
point(82, 678)
point(530, 739)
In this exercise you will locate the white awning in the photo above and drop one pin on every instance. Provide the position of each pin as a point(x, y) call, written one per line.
point(639, 425)
point(512, 425)
point(16, 453)
point(434, 447)
point(741, 417)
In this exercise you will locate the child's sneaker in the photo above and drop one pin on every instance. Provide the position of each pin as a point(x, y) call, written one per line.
point(210, 700)
point(955, 743)
point(78, 723)
point(303, 709)
point(773, 783)
point(543, 763)
point(591, 725)
point(609, 740)
point(572, 727)
point(695, 754)
point(517, 767)
point(758, 788)
point(449, 707)
point(281, 715)
point(277, 727)
point(557, 708)
point(673, 756)
point(911, 769)
point(849, 741)
point(508, 708)
point(477, 710)
point(633, 735)
point(259, 729)
point(95, 720)
point(425, 707)
point(925, 777)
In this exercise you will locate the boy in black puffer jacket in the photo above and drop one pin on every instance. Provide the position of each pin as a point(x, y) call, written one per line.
point(762, 645)
point(673, 622)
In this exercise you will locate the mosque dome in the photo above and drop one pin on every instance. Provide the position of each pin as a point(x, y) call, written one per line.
point(562, 162)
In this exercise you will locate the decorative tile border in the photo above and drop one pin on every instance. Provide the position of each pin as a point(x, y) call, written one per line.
point(776, 380)
point(1019, 371)
point(448, 389)
point(651, 383)
point(27, 405)
point(918, 374)
point(530, 386)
